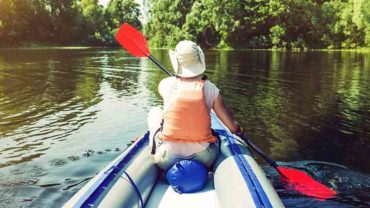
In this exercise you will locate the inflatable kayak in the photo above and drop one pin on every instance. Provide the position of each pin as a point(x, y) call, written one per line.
point(133, 180)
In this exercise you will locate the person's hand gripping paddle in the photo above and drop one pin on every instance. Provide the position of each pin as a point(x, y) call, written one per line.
point(135, 43)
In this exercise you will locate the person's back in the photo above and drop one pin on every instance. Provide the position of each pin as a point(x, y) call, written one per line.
point(185, 130)
point(187, 119)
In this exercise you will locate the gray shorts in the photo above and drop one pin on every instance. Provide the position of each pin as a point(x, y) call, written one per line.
point(165, 159)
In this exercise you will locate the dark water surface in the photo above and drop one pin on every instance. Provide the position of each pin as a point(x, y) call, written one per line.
point(65, 113)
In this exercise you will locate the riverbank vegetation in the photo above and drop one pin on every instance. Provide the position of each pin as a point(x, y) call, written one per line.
point(230, 24)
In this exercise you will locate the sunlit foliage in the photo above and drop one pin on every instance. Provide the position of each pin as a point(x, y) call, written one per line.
point(63, 22)
point(230, 24)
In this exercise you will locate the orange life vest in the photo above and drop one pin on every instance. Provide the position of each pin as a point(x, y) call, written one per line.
point(188, 119)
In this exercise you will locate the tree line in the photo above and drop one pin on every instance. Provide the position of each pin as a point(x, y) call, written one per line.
point(64, 22)
point(212, 23)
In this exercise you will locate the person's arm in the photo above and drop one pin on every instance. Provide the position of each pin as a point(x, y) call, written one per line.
point(225, 115)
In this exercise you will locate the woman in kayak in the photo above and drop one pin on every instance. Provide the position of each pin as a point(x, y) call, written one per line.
point(182, 130)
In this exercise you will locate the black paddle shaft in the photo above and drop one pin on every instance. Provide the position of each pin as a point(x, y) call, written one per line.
point(160, 65)
point(260, 152)
point(243, 137)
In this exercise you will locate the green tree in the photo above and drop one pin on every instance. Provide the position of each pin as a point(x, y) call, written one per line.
point(199, 26)
point(276, 35)
point(298, 20)
point(118, 12)
point(14, 22)
point(66, 18)
point(214, 22)
point(328, 24)
point(353, 34)
point(361, 17)
point(211, 23)
point(255, 22)
point(40, 22)
point(166, 20)
point(366, 12)
point(93, 22)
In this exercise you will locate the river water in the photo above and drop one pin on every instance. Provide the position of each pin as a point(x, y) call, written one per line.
point(66, 112)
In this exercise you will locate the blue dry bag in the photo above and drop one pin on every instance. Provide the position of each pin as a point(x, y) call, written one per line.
point(187, 176)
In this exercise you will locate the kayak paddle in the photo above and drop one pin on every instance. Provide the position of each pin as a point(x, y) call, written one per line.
point(298, 180)
point(135, 43)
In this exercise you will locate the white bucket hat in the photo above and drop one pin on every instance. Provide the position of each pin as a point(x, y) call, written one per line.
point(187, 59)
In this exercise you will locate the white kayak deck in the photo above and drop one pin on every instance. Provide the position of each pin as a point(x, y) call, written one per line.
point(163, 196)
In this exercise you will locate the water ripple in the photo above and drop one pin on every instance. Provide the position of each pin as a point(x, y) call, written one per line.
point(64, 114)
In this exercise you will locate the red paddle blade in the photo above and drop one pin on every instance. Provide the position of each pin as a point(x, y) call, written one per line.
point(305, 184)
point(132, 40)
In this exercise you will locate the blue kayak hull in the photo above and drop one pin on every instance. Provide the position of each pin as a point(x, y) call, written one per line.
point(133, 180)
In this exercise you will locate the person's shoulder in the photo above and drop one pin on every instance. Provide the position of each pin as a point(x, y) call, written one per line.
point(209, 83)
point(165, 84)
point(211, 88)
point(167, 80)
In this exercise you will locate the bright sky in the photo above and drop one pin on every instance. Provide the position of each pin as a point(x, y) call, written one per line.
point(104, 2)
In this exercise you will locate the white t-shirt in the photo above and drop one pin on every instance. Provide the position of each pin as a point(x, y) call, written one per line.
point(168, 90)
